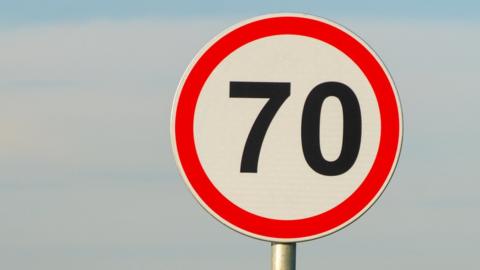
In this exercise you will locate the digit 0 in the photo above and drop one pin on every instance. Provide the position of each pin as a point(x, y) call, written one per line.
point(352, 128)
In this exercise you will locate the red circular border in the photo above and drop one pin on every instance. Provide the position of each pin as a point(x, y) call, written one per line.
point(325, 222)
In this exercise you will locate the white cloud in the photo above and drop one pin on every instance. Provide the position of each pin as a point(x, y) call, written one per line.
point(91, 96)
point(98, 51)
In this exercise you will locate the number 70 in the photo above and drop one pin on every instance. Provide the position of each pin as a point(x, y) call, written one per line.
point(277, 93)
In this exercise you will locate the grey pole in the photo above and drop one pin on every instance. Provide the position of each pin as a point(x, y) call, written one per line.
point(283, 256)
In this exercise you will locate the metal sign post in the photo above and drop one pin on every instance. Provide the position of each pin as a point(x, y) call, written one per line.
point(283, 256)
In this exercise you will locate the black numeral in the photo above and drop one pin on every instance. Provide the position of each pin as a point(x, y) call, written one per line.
point(277, 93)
point(352, 128)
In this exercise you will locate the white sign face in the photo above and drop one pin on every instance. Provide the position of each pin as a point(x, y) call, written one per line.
point(286, 127)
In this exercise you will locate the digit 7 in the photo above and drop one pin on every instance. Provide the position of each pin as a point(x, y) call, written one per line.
point(277, 93)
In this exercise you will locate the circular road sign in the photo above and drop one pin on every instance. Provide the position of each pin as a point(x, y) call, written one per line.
point(286, 127)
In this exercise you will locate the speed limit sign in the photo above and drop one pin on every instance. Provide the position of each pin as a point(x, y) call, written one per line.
point(286, 127)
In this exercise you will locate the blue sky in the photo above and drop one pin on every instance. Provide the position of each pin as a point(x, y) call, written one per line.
point(87, 179)
point(31, 12)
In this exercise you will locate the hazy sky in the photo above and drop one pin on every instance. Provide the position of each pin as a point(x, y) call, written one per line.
point(87, 178)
